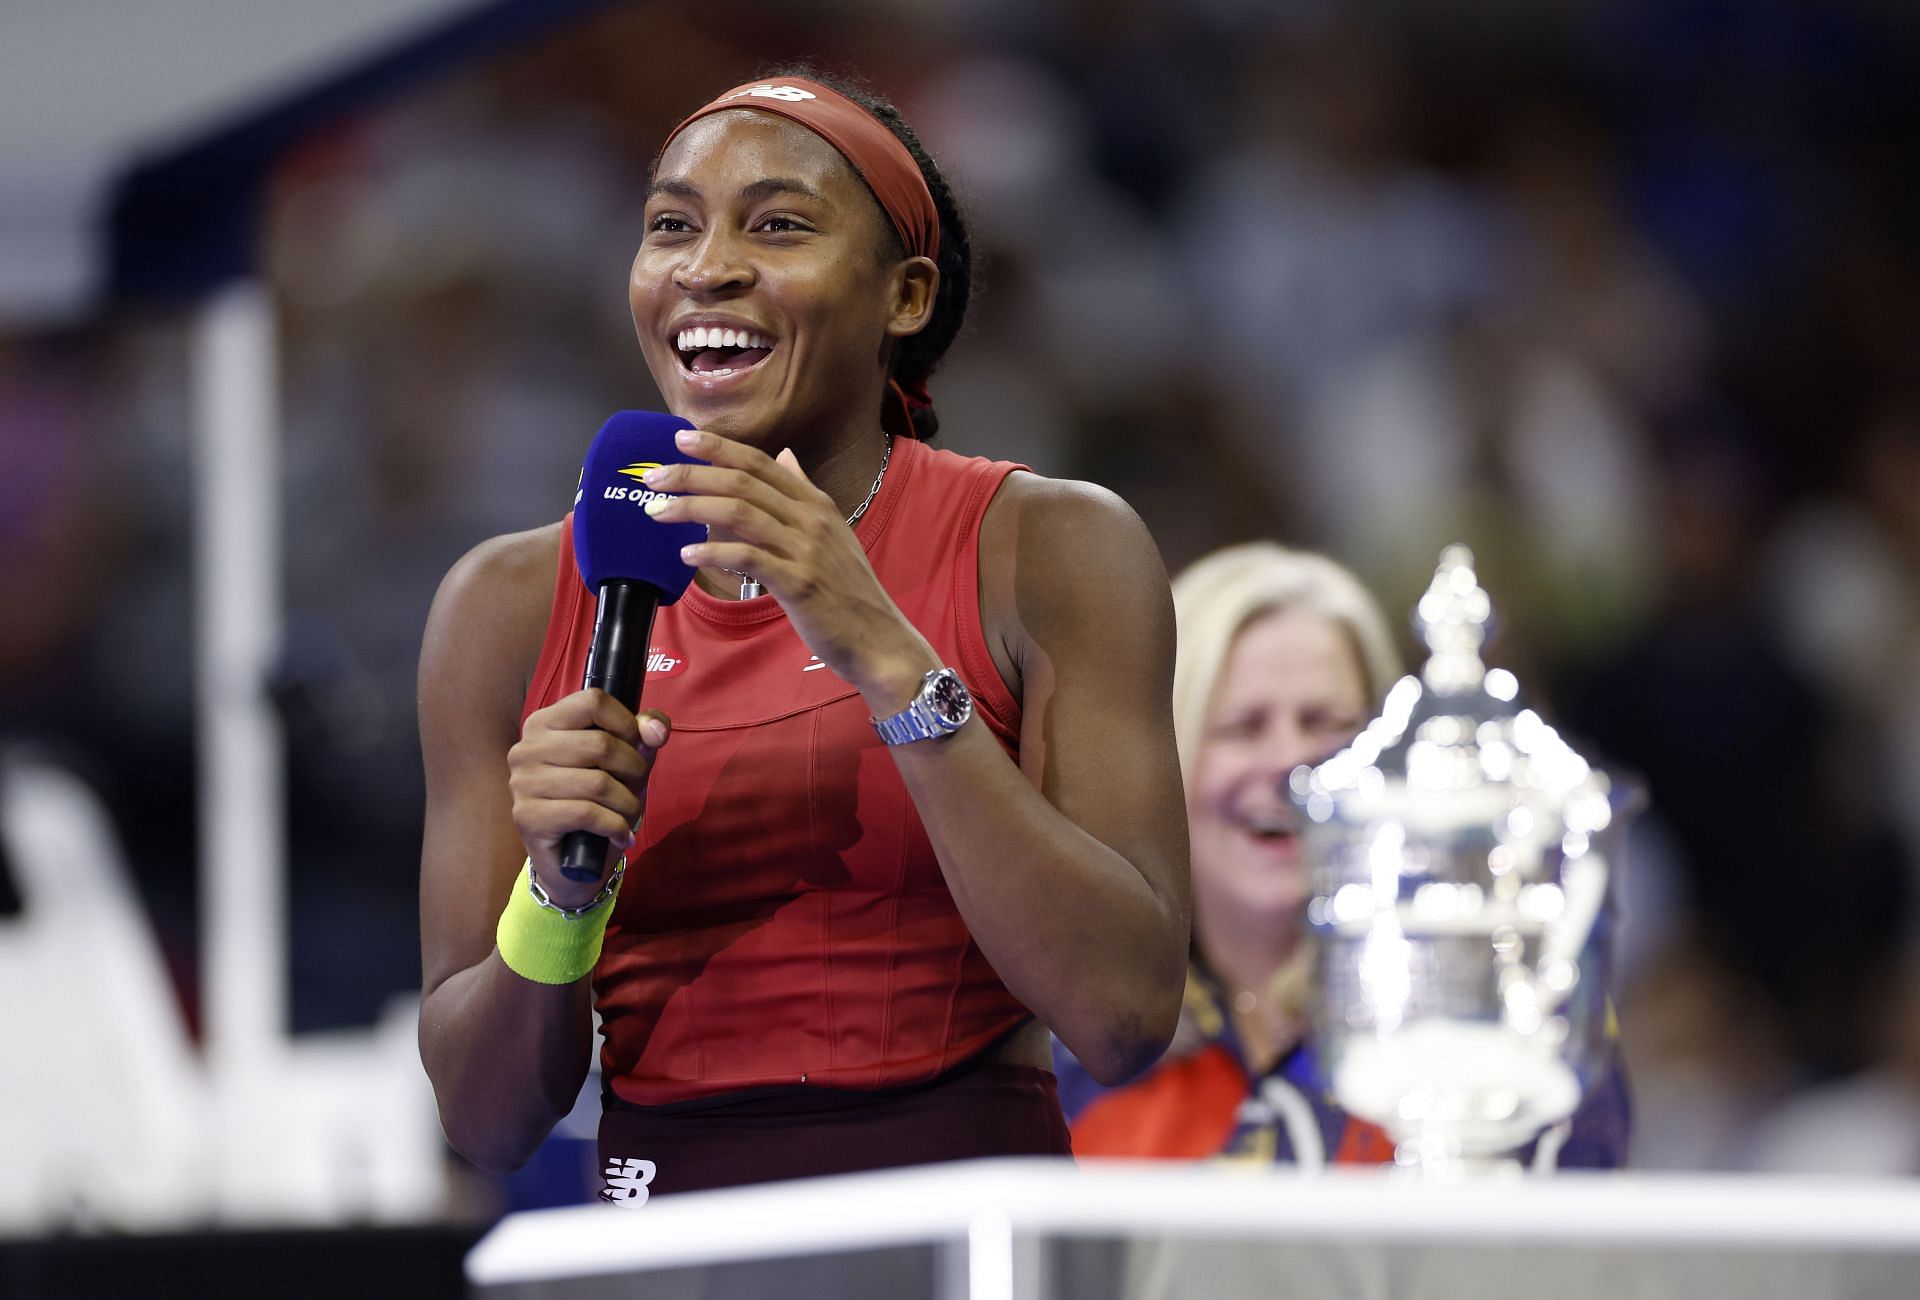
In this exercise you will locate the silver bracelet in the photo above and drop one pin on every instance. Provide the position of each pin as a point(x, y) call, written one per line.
point(579, 913)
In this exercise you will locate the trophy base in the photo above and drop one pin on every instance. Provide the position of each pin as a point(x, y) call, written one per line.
point(1456, 1097)
point(1436, 1158)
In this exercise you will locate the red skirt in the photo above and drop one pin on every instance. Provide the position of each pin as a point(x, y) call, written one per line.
point(981, 1110)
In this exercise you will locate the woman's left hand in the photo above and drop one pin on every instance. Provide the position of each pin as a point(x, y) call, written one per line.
point(770, 521)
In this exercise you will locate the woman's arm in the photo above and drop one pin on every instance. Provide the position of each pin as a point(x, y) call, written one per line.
point(1074, 881)
point(506, 1055)
point(1071, 868)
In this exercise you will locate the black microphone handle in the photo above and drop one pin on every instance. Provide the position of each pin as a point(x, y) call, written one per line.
point(617, 664)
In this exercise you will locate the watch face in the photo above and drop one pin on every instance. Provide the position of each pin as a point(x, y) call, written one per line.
point(949, 699)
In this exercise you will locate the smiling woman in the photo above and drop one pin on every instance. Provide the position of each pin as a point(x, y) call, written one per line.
point(804, 177)
point(879, 856)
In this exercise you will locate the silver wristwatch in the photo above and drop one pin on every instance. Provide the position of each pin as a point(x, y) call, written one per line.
point(941, 708)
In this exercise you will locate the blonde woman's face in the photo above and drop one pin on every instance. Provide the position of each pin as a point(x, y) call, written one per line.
point(1291, 692)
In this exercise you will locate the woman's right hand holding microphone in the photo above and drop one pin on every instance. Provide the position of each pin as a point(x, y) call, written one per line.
point(581, 764)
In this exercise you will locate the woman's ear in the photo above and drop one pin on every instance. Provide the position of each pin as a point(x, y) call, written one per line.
point(915, 283)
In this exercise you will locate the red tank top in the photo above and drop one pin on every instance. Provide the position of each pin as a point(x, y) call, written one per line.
point(784, 921)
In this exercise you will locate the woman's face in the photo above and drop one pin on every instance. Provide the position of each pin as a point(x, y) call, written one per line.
point(1291, 692)
point(762, 301)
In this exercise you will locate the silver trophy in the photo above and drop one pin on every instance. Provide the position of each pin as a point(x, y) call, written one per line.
point(1460, 854)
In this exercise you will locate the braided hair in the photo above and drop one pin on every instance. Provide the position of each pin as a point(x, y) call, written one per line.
point(916, 356)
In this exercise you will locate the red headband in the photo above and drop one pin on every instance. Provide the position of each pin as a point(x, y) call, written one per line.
point(875, 152)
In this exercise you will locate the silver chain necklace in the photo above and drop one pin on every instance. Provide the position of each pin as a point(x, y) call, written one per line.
point(750, 586)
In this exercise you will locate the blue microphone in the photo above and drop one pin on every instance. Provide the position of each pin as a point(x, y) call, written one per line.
point(632, 564)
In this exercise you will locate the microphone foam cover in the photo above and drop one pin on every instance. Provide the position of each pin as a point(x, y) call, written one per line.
point(613, 536)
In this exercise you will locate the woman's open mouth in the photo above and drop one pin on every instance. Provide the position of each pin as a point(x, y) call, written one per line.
point(714, 352)
point(1270, 827)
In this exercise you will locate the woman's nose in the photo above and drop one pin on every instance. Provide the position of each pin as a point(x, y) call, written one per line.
point(1285, 747)
point(713, 266)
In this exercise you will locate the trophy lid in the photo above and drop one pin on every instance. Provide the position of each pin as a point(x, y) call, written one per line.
point(1455, 745)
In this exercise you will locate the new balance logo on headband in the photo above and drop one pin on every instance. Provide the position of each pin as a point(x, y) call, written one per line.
point(792, 94)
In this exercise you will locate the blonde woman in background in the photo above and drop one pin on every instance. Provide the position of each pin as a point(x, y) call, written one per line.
point(1283, 657)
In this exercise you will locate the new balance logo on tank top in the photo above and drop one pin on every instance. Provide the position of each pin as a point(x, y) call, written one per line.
point(784, 922)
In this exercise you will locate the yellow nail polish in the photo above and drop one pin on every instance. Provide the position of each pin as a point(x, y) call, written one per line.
point(654, 505)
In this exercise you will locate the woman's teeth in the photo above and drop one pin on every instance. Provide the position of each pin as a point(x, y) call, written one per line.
point(700, 336)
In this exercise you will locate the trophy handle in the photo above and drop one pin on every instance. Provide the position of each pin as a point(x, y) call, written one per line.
point(1583, 882)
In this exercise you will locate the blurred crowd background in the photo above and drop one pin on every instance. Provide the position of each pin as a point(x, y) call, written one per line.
point(1622, 294)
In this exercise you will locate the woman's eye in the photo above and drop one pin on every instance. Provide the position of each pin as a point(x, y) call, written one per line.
point(1237, 728)
point(781, 226)
point(667, 225)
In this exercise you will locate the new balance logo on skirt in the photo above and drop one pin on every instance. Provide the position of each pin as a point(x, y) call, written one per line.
point(627, 1182)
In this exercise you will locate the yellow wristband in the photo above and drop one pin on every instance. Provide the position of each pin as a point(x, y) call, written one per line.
point(543, 943)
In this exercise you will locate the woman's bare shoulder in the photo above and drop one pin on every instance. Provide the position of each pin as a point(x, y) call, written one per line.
point(510, 565)
point(490, 614)
point(1043, 539)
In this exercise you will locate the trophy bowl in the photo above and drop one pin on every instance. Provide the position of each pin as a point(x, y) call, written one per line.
point(1460, 857)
